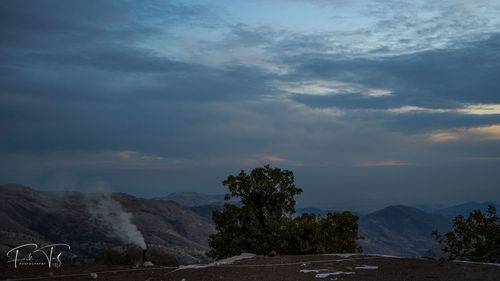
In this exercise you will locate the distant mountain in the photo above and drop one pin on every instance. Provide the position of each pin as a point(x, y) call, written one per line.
point(194, 199)
point(429, 208)
point(27, 215)
point(400, 230)
point(201, 204)
point(206, 210)
point(465, 209)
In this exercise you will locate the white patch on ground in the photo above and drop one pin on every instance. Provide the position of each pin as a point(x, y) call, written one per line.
point(324, 275)
point(193, 266)
point(233, 259)
point(366, 267)
point(342, 255)
point(475, 262)
point(348, 255)
point(219, 262)
point(312, 270)
point(384, 256)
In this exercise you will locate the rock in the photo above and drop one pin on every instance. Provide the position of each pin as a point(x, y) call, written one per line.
point(93, 275)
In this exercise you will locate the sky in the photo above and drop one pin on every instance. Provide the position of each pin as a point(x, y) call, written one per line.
point(369, 103)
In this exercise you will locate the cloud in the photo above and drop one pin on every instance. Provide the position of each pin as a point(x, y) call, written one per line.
point(175, 95)
point(468, 109)
point(383, 164)
point(416, 109)
point(324, 88)
point(263, 159)
point(485, 158)
point(485, 133)
point(388, 28)
point(430, 90)
point(95, 160)
point(481, 109)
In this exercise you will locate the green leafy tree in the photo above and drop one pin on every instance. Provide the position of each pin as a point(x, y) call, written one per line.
point(476, 238)
point(312, 234)
point(267, 198)
point(339, 232)
point(264, 221)
point(303, 234)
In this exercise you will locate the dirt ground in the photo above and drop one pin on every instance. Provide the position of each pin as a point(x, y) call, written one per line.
point(279, 268)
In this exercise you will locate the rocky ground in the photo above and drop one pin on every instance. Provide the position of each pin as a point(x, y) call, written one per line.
point(310, 267)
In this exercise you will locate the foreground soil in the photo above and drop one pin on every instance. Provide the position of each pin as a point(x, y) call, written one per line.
point(309, 267)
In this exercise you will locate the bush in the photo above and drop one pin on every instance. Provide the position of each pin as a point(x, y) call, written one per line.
point(311, 234)
point(476, 238)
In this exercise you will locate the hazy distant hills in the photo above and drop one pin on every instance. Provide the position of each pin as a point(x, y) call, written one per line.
point(395, 230)
point(201, 204)
point(27, 215)
point(193, 199)
point(465, 209)
point(400, 230)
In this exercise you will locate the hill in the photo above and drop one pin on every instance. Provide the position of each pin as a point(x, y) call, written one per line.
point(27, 215)
point(395, 230)
point(464, 209)
point(92, 222)
point(194, 199)
point(400, 230)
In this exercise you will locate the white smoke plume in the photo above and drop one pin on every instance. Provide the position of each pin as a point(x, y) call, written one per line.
point(114, 219)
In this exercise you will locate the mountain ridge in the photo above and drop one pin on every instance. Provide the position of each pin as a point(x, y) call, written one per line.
point(465, 209)
point(28, 216)
point(400, 230)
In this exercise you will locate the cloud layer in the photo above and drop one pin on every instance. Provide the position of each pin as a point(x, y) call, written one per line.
point(172, 96)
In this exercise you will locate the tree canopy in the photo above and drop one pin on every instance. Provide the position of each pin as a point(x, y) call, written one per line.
point(476, 238)
point(263, 222)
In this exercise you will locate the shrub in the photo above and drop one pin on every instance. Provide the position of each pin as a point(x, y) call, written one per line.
point(476, 238)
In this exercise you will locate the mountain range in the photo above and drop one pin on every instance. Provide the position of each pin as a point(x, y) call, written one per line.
point(28, 215)
point(400, 230)
point(395, 230)
point(194, 199)
point(464, 209)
